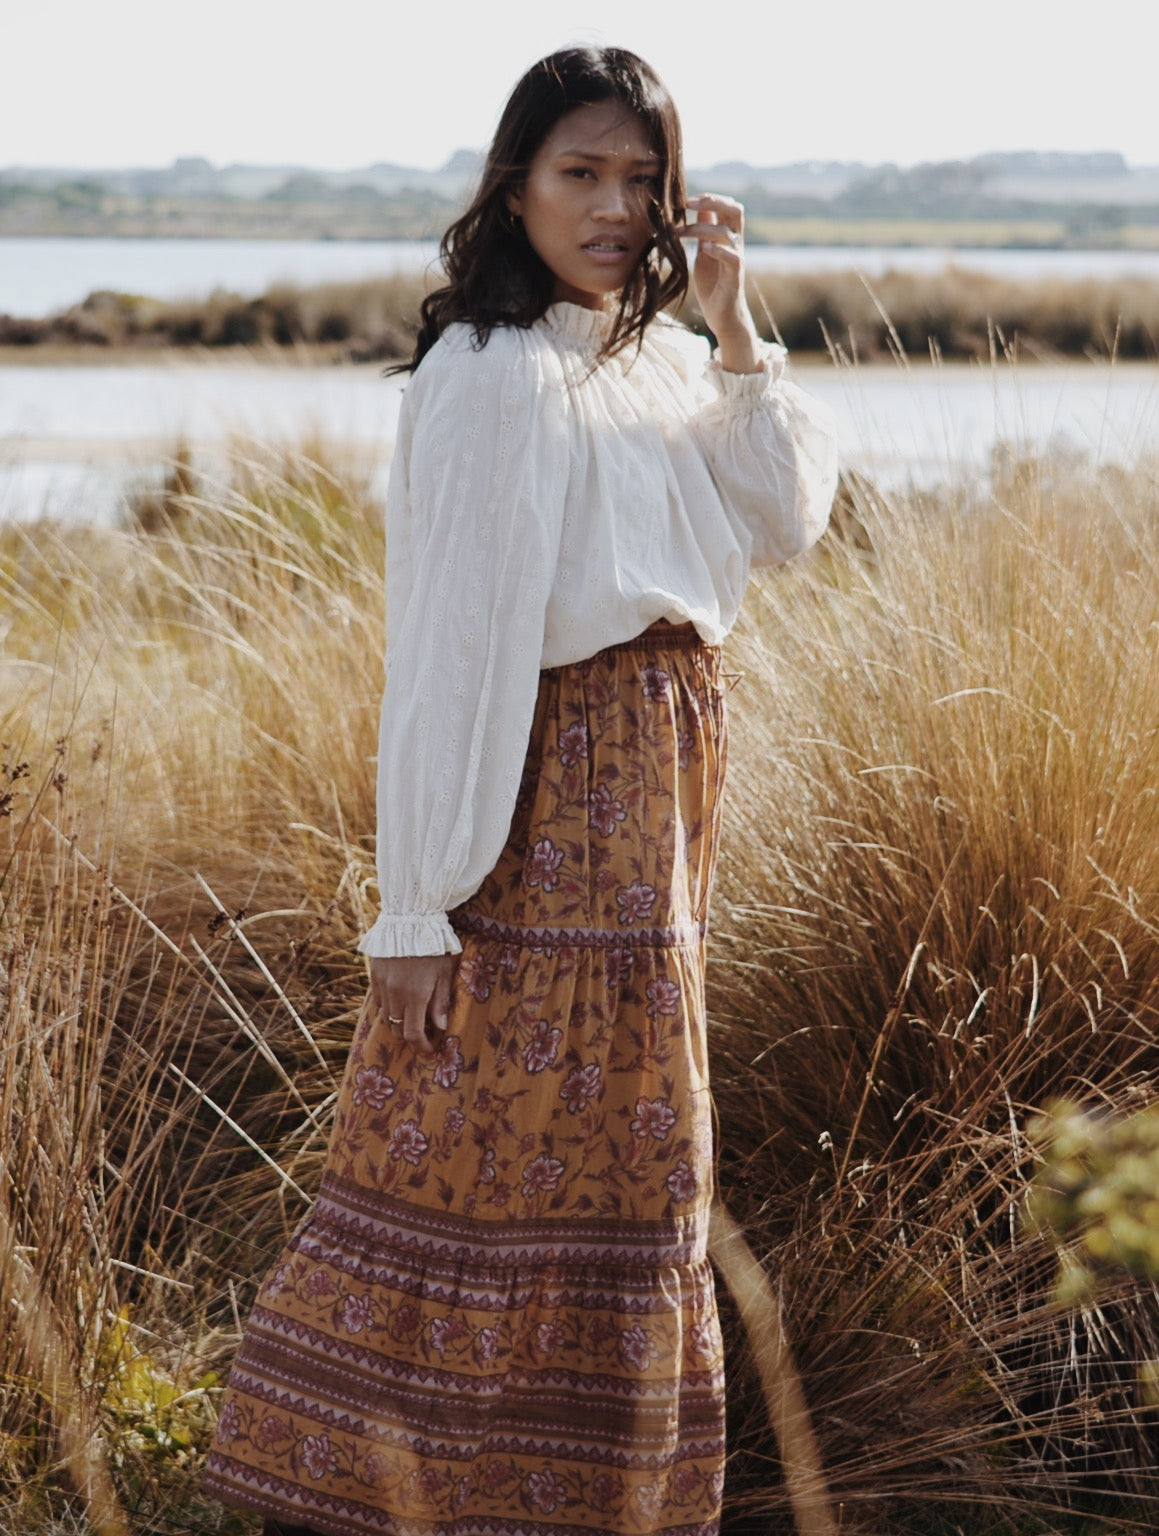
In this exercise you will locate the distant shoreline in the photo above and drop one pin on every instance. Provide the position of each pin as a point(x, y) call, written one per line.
point(1008, 199)
point(948, 313)
point(886, 233)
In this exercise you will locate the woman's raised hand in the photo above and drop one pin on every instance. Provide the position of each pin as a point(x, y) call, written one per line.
point(413, 995)
point(717, 225)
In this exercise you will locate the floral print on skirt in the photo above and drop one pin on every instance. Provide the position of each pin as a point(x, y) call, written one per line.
point(499, 1317)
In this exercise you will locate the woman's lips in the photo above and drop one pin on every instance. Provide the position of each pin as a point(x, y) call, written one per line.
point(607, 253)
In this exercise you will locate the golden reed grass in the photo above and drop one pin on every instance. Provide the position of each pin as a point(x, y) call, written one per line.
point(937, 910)
point(940, 904)
point(952, 313)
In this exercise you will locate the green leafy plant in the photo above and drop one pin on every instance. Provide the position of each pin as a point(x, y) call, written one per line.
point(1097, 1196)
point(149, 1410)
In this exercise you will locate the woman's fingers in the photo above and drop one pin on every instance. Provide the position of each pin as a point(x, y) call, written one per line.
point(717, 224)
point(718, 236)
point(379, 999)
point(413, 995)
point(441, 1002)
point(414, 1029)
point(717, 209)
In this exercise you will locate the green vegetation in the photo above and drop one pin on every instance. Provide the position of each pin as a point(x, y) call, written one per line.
point(953, 193)
point(936, 913)
point(306, 208)
point(1100, 1185)
point(1058, 200)
point(951, 314)
point(995, 234)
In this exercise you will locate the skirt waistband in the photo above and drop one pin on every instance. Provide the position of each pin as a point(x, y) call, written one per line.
point(662, 636)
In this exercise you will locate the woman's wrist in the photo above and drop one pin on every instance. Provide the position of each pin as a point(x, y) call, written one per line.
point(739, 349)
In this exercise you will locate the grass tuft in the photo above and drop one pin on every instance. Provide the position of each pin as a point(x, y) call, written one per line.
point(939, 903)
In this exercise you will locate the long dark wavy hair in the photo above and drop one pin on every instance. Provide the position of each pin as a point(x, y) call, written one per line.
point(494, 277)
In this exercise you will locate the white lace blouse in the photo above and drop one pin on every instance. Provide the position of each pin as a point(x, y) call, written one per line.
point(538, 511)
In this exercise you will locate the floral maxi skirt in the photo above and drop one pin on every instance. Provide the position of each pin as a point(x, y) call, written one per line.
point(499, 1317)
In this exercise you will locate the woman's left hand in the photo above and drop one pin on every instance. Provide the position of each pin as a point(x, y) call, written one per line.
point(717, 225)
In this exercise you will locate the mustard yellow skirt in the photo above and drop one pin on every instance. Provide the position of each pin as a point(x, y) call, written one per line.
point(499, 1317)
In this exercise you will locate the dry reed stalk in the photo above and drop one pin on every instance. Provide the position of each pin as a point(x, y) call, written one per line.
point(38, 1342)
point(760, 1313)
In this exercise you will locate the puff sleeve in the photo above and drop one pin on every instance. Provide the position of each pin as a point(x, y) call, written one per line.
point(773, 452)
point(771, 448)
point(474, 514)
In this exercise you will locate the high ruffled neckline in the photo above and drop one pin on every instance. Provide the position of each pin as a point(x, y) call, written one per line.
point(576, 322)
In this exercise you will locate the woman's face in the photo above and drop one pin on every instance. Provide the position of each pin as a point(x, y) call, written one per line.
point(585, 202)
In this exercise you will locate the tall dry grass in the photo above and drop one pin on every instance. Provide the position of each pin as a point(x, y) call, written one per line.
point(186, 716)
point(937, 909)
point(940, 907)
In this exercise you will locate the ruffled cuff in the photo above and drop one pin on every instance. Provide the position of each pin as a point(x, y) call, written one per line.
point(738, 387)
point(418, 933)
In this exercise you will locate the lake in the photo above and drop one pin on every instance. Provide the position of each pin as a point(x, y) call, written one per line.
point(72, 438)
point(38, 277)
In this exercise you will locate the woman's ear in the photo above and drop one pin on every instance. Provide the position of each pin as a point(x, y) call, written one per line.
point(513, 197)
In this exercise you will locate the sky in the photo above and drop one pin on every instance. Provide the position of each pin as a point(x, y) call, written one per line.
point(344, 83)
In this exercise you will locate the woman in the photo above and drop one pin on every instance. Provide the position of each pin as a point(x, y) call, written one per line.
point(500, 1316)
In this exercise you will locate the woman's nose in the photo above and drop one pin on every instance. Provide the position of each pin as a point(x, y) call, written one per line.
point(615, 204)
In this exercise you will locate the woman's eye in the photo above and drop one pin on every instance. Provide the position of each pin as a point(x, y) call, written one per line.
point(578, 171)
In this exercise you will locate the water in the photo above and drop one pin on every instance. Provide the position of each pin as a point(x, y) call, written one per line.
point(39, 277)
point(72, 439)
